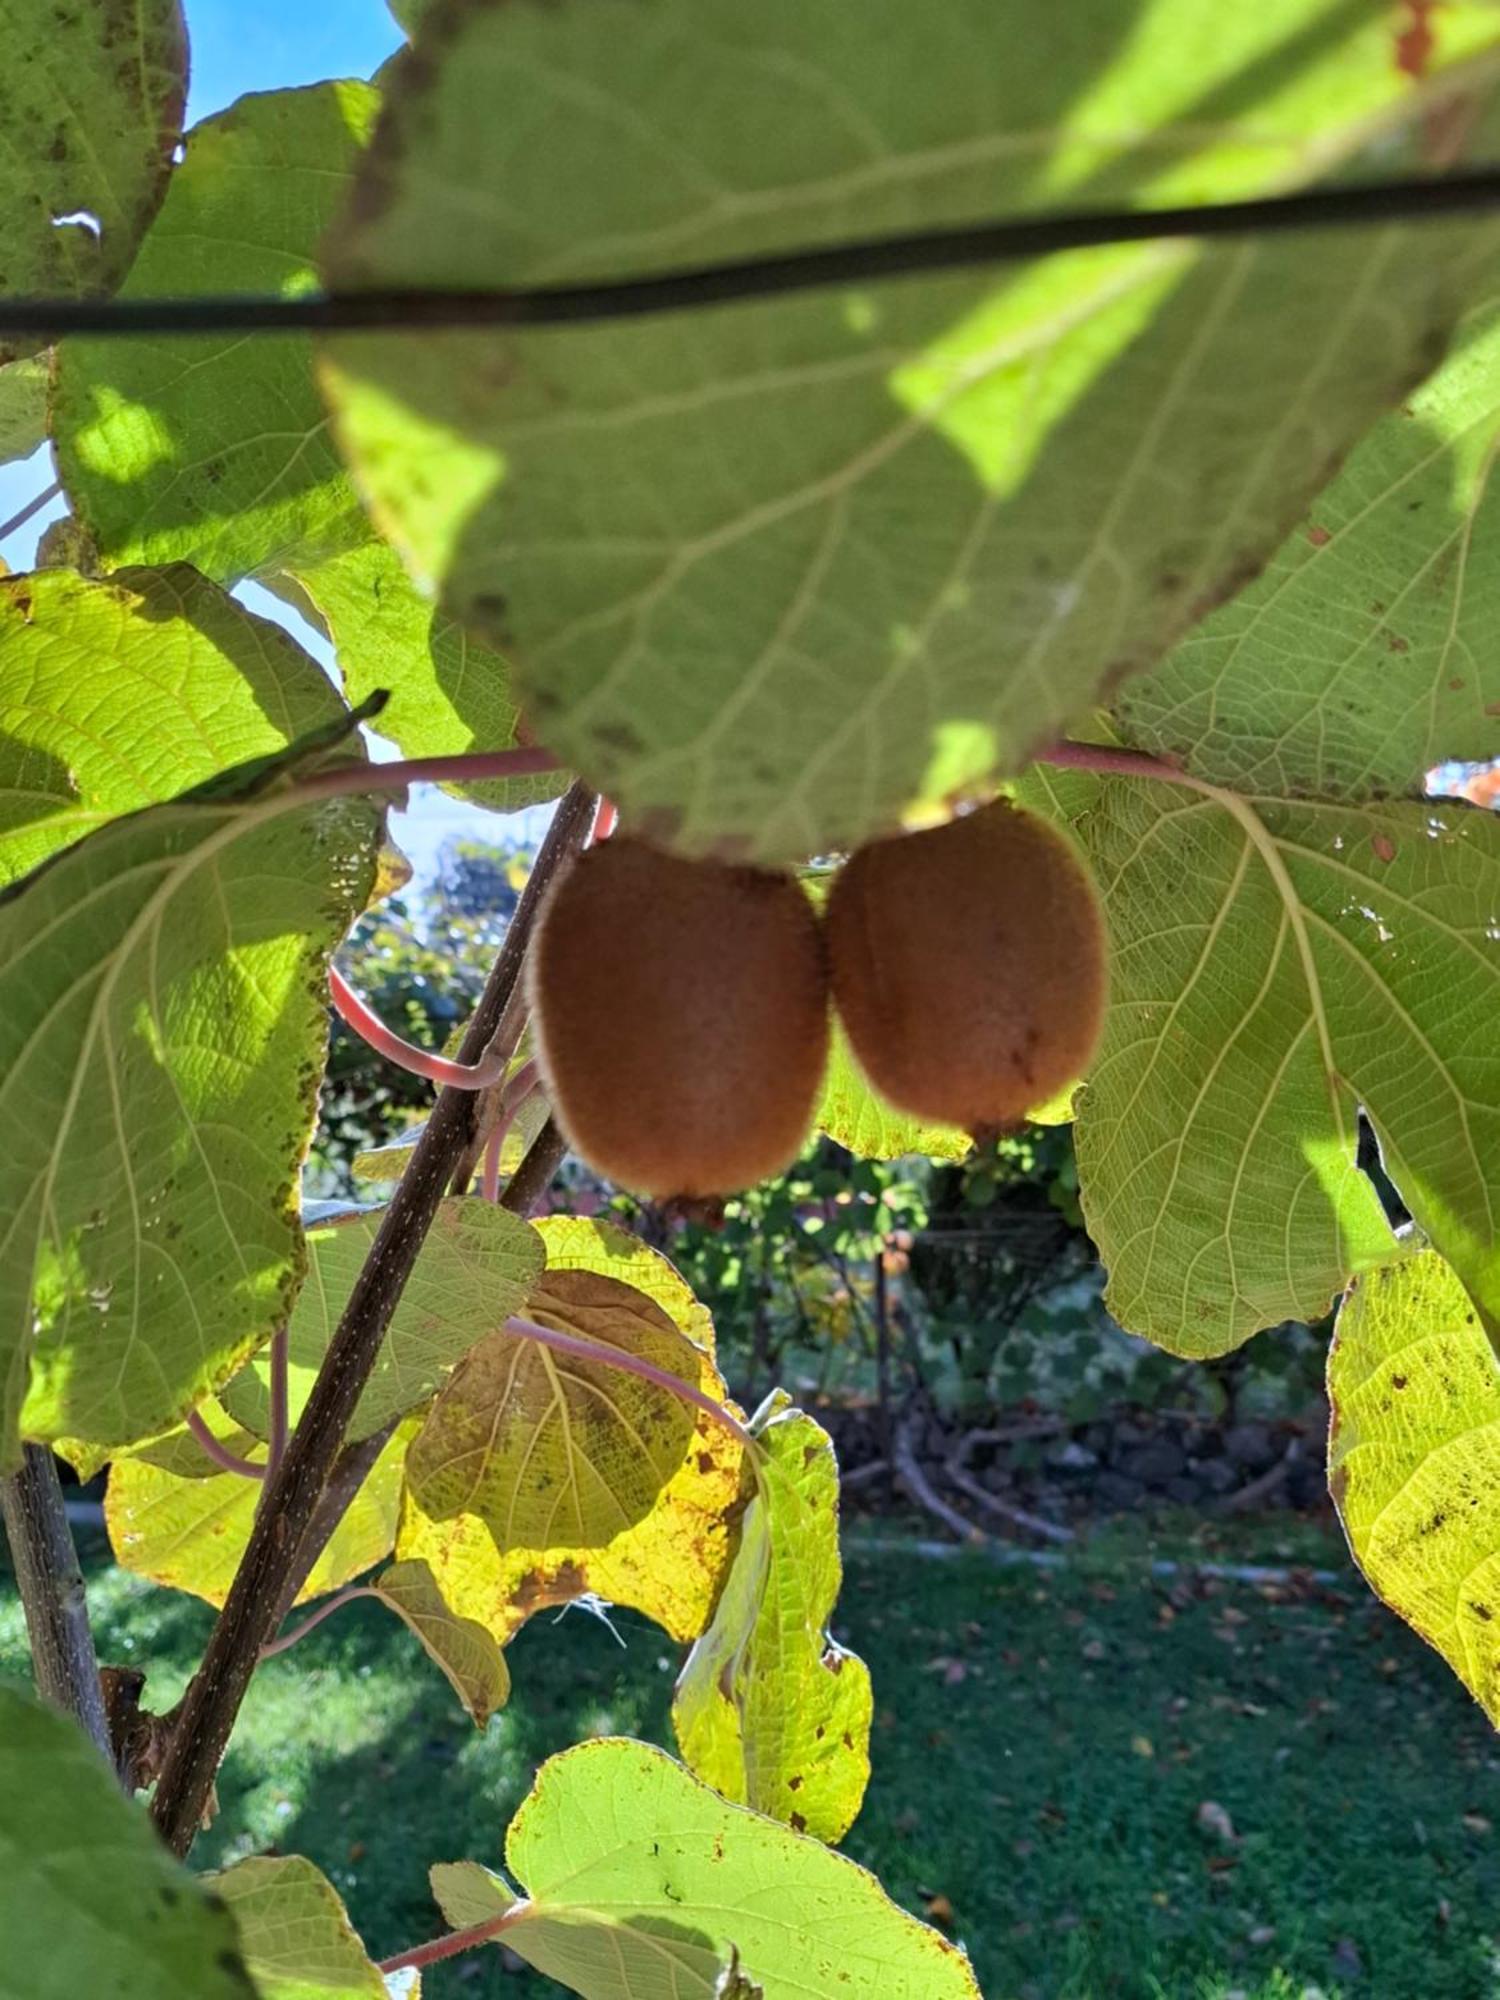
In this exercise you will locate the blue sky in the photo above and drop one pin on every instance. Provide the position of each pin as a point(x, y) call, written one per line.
point(238, 48)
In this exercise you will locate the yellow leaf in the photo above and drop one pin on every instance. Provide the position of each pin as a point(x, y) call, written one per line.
point(1414, 1459)
point(769, 1711)
point(540, 1477)
point(189, 1531)
point(581, 1243)
point(464, 1650)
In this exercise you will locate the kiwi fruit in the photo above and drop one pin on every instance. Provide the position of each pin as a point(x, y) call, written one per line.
point(969, 965)
point(681, 1010)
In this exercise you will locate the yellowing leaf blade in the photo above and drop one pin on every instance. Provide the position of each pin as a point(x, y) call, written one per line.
point(768, 1710)
point(539, 1478)
point(188, 1529)
point(461, 1647)
point(1414, 1459)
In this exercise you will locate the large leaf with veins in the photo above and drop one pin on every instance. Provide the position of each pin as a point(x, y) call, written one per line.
point(124, 691)
point(163, 1022)
point(1369, 651)
point(1276, 966)
point(641, 1882)
point(774, 573)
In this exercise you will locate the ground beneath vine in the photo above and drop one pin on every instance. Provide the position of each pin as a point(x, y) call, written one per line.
point(1110, 1784)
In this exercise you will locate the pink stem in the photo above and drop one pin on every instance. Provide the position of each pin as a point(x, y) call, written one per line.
point(222, 1456)
point(520, 1087)
point(631, 1364)
point(604, 820)
point(475, 766)
point(451, 1945)
point(280, 1398)
point(335, 1603)
point(512, 1098)
point(421, 1062)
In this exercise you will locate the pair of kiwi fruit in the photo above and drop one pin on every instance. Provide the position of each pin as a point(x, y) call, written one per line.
point(682, 1007)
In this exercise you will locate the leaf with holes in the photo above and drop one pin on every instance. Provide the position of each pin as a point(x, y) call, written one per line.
point(93, 109)
point(540, 1477)
point(90, 1900)
point(475, 1268)
point(127, 691)
point(1414, 1459)
point(462, 1648)
point(1370, 649)
point(163, 1019)
point(768, 1709)
point(640, 1881)
point(227, 463)
point(1278, 965)
point(188, 1528)
point(295, 1932)
point(775, 573)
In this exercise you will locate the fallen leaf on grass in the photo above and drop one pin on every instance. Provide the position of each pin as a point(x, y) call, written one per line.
point(1212, 1819)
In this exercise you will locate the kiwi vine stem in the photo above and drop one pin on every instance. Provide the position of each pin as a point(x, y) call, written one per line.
point(357, 1014)
point(335, 1603)
point(280, 1388)
point(968, 246)
point(529, 1183)
point(222, 1456)
point(63, 1662)
point(451, 1945)
point(282, 1524)
point(33, 506)
point(472, 767)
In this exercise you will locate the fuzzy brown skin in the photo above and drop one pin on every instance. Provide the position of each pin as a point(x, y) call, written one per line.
point(969, 966)
point(681, 1010)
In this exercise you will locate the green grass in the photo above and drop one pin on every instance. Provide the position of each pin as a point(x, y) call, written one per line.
point(1043, 1745)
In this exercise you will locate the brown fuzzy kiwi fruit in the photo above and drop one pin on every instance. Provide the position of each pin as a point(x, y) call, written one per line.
point(681, 1010)
point(969, 966)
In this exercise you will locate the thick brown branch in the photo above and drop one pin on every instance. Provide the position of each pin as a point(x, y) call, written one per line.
point(51, 1587)
point(351, 1469)
point(277, 1541)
